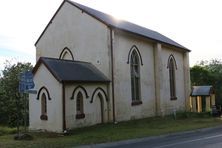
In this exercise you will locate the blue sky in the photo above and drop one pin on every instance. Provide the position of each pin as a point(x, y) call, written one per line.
point(196, 24)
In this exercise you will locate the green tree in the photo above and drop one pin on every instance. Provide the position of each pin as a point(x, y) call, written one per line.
point(208, 73)
point(200, 75)
point(9, 93)
point(215, 67)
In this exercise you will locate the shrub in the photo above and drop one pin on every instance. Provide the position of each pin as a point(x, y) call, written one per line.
point(184, 115)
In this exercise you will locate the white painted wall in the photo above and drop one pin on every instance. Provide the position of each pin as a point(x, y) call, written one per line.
point(66, 56)
point(124, 110)
point(86, 37)
point(92, 110)
point(54, 106)
point(167, 104)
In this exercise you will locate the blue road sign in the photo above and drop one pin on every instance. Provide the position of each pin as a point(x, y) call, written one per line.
point(26, 81)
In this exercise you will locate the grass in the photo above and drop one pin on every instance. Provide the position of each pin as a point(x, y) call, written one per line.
point(114, 132)
point(5, 130)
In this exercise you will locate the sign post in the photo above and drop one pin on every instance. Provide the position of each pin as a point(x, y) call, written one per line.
point(26, 81)
point(25, 84)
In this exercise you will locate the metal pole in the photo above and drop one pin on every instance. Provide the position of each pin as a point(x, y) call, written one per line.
point(25, 112)
point(17, 108)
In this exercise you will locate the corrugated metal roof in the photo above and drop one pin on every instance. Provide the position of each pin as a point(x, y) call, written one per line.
point(127, 26)
point(202, 90)
point(72, 71)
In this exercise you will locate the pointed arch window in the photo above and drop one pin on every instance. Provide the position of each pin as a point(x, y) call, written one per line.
point(79, 106)
point(43, 107)
point(66, 54)
point(135, 78)
point(172, 67)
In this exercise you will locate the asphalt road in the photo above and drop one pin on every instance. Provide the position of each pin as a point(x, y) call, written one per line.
point(204, 138)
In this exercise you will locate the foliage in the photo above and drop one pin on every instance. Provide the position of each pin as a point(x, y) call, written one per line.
point(208, 73)
point(9, 95)
point(200, 75)
point(185, 115)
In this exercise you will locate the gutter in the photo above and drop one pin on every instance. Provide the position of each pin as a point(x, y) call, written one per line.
point(112, 73)
point(63, 107)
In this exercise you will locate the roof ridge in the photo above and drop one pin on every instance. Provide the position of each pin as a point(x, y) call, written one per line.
point(118, 20)
point(116, 24)
point(75, 61)
point(123, 25)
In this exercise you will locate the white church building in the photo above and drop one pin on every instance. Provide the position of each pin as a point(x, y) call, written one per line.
point(93, 69)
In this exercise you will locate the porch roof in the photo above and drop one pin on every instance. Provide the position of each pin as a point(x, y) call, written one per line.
point(202, 90)
point(71, 71)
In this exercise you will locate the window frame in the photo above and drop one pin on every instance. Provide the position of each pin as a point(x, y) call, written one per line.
point(135, 78)
point(172, 77)
point(43, 107)
point(65, 51)
point(79, 106)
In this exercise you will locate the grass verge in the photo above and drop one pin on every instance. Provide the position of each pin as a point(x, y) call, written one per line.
point(4, 130)
point(113, 132)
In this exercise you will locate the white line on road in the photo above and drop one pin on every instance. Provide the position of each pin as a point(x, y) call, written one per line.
point(188, 141)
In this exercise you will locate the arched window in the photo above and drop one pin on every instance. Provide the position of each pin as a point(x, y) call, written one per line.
point(135, 78)
point(79, 106)
point(100, 91)
point(43, 107)
point(66, 54)
point(171, 66)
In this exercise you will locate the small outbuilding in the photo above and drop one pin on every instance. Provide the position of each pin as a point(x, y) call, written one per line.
point(202, 98)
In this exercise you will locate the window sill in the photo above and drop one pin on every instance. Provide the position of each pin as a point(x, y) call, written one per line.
point(80, 116)
point(136, 103)
point(44, 117)
point(173, 98)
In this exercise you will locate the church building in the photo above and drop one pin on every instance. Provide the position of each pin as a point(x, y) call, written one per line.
point(92, 69)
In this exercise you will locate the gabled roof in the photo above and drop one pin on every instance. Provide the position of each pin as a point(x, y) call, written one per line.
point(202, 90)
point(122, 25)
point(71, 71)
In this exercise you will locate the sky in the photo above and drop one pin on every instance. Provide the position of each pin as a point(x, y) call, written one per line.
point(195, 24)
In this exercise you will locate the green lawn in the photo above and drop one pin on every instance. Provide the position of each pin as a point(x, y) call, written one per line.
point(5, 130)
point(113, 132)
